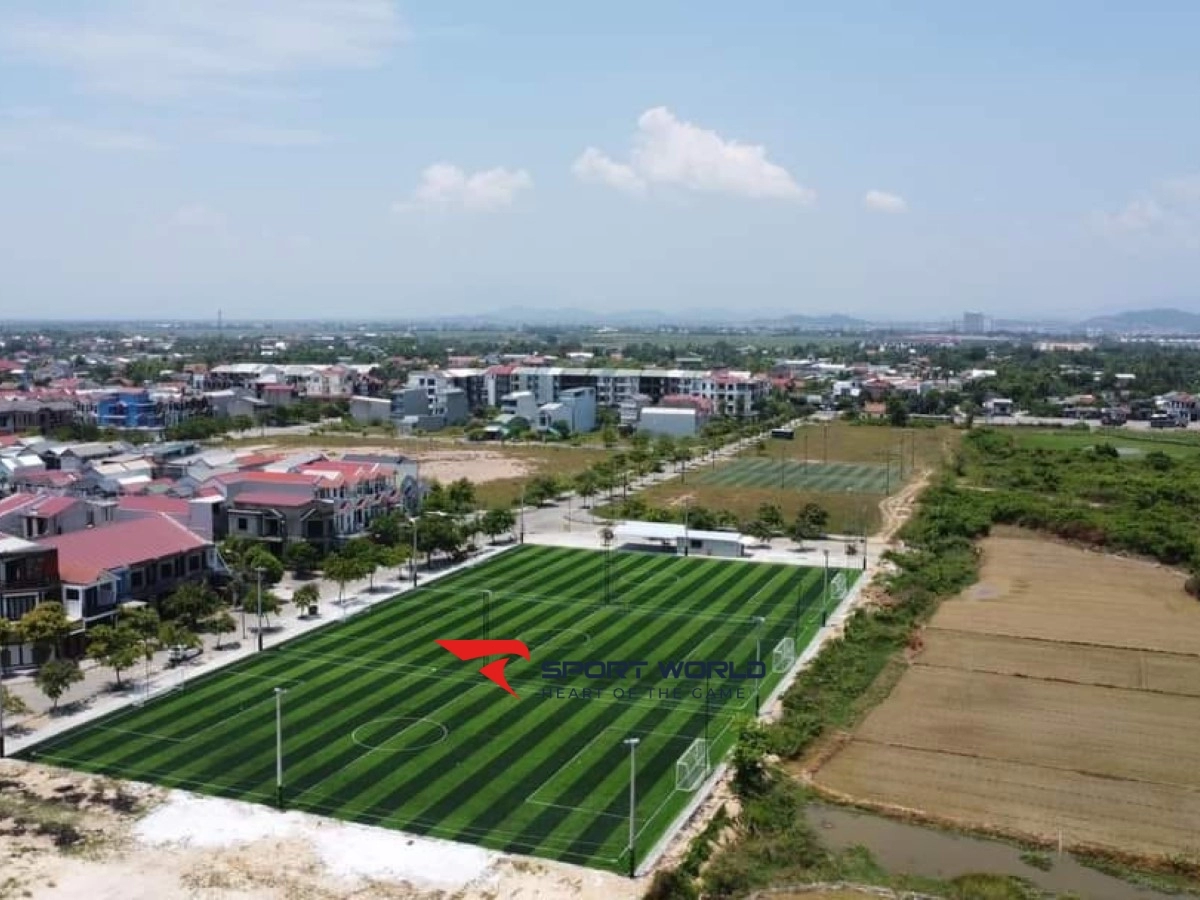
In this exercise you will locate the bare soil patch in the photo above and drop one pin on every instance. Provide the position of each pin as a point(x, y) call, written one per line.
point(1041, 588)
point(1060, 693)
point(1081, 663)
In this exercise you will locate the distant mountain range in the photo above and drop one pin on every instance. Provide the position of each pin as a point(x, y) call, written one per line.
point(551, 318)
point(1174, 321)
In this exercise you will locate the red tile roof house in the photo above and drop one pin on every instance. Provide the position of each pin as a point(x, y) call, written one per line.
point(140, 559)
point(277, 508)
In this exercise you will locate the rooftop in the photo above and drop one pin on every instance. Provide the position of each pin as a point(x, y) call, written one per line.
point(83, 556)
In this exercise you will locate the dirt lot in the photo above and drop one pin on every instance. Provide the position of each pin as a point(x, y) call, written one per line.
point(497, 472)
point(66, 836)
point(1060, 693)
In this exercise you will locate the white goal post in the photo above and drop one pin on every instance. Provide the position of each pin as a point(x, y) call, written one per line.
point(692, 766)
point(838, 588)
point(783, 657)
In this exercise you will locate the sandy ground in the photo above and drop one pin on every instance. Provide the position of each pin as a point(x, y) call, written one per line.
point(65, 836)
point(480, 466)
point(1055, 696)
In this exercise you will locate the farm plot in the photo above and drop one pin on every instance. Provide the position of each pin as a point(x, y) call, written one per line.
point(1059, 694)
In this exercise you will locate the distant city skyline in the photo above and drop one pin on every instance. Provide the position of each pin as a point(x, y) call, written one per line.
point(290, 159)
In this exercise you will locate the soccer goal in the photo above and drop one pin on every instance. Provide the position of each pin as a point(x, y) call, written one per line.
point(838, 588)
point(783, 657)
point(692, 766)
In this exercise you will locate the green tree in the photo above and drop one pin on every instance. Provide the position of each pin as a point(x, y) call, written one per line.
point(810, 522)
point(387, 529)
point(751, 774)
point(10, 633)
point(301, 557)
point(221, 624)
point(772, 515)
point(460, 496)
point(46, 625)
point(586, 486)
point(117, 647)
point(307, 596)
point(142, 620)
point(173, 634)
point(241, 423)
point(343, 569)
point(189, 603)
point(541, 489)
point(608, 435)
point(497, 521)
point(262, 558)
point(369, 554)
point(897, 412)
point(12, 704)
point(55, 678)
point(760, 530)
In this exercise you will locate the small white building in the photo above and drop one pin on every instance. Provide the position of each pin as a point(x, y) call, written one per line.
point(658, 420)
point(520, 403)
point(685, 541)
point(369, 410)
point(998, 406)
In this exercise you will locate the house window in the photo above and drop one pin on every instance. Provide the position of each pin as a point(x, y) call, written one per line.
point(135, 578)
point(164, 571)
point(72, 593)
point(194, 562)
point(242, 525)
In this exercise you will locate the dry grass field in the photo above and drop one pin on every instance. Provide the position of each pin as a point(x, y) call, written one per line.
point(847, 442)
point(1059, 694)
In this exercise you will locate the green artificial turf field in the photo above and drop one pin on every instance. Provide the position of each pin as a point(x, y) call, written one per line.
point(788, 474)
point(382, 726)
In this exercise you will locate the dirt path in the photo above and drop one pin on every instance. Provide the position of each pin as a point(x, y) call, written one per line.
point(897, 508)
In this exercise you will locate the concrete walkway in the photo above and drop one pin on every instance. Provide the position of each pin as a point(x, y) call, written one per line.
point(95, 695)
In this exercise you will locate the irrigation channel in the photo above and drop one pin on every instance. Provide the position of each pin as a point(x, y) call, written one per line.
point(915, 850)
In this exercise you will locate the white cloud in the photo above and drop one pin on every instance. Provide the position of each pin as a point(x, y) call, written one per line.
point(159, 49)
point(271, 136)
point(1140, 214)
point(1167, 215)
point(882, 201)
point(595, 166)
point(443, 184)
point(668, 151)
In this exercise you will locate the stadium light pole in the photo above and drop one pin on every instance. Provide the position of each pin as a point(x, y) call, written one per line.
point(825, 598)
point(522, 512)
point(758, 624)
point(487, 613)
point(279, 692)
point(258, 570)
point(632, 743)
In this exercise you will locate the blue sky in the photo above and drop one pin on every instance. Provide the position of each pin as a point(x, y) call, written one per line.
point(366, 158)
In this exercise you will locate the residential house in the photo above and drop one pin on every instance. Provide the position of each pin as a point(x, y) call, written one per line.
point(675, 422)
point(139, 559)
point(370, 410)
point(28, 576)
point(575, 409)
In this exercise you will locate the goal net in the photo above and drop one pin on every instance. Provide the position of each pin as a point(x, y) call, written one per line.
point(838, 588)
point(784, 655)
point(692, 766)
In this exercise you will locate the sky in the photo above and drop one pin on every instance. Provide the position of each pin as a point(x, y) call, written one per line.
point(377, 159)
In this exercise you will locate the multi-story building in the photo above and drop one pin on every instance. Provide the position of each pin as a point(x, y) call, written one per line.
point(733, 394)
point(575, 408)
point(139, 559)
point(28, 576)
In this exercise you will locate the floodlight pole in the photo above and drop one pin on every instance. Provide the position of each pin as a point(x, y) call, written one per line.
point(2, 697)
point(487, 613)
point(632, 743)
point(522, 512)
point(687, 507)
point(258, 570)
point(758, 623)
point(279, 692)
point(825, 598)
point(414, 550)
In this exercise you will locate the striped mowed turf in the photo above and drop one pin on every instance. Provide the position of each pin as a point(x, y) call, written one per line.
point(383, 726)
point(787, 474)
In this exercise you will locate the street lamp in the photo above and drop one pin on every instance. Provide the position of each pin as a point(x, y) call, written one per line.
point(825, 596)
point(758, 623)
point(632, 743)
point(258, 570)
point(279, 692)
